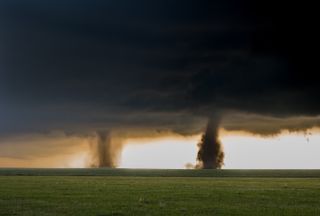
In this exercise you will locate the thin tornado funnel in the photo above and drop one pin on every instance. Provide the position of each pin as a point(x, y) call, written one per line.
point(104, 153)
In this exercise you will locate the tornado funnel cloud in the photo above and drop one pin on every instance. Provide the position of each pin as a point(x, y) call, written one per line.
point(210, 154)
point(104, 151)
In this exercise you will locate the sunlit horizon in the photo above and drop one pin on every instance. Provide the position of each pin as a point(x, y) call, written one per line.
point(297, 150)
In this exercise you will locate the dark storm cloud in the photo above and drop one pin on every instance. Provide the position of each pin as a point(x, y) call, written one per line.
point(96, 65)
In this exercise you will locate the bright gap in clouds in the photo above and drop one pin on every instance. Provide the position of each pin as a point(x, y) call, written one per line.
point(243, 151)
point(288, 151)
point(173, 153)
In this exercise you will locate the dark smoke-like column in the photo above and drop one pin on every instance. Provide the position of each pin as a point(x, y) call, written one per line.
point(104, 150)
point(210, 155)
point(104, 153)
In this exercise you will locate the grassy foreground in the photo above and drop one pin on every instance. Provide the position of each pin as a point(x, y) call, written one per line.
point(137, 195)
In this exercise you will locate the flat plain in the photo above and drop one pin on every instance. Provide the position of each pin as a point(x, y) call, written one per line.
point(104, 192)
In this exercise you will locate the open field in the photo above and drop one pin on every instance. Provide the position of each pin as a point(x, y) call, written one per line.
point(159, 192)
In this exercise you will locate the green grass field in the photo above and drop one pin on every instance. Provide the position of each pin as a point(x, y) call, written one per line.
point(159, 192)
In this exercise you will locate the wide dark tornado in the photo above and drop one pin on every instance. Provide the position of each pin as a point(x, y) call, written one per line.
point(210, 155)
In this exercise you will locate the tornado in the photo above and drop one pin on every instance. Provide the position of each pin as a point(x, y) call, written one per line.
point(210, 154)
point(104, 152)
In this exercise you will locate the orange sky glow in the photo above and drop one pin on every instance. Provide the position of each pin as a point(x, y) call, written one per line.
point(242, 150)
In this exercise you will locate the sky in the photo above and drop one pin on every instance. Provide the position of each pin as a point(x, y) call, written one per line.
point(83, 78)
